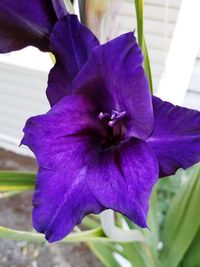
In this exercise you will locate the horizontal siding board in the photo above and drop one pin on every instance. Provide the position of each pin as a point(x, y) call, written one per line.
point(129, 23)
point(192, 100)
point(157, 69)
point(153, 40)
point(12, 133)
point(156, 56)
point(16, 91)
point(22, 103)
point(171, 3)
point(157, 42)
point(22, 94)
point(195, 79)
point(21, 76)
point(154, 12)
point(21, 70)
point(22, 113)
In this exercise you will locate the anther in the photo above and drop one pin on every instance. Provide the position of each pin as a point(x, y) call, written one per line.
point(113, 118)
point(103, 115)
point(111, 123)
point(117, 115)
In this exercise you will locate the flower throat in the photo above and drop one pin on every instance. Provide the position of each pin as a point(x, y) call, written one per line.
point(113, 122)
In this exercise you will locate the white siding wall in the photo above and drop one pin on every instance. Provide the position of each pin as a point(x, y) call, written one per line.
point(22, 94)
point(192, 98)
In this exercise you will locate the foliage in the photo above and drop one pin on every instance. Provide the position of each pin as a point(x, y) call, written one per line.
point(174, 220)
point(178, 218)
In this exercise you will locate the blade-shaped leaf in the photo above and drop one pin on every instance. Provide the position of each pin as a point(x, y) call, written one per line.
point(104, 254)
point(139, 254)
point(182, 220)
point(152, 233)
point(192, 256)
point(16, 181)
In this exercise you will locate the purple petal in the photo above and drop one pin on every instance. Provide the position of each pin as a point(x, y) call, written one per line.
point(64, 140)
point(71, 124)
point(61, 200)
point(122, 179)
point(24, 23)
point(115, 78)
point(176, 137)
point(71, 43)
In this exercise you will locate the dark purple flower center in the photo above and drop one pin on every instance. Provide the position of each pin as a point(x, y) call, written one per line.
point(113, 122)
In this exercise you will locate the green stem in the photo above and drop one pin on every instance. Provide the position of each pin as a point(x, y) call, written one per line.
point(95, 235)
point(139, 8)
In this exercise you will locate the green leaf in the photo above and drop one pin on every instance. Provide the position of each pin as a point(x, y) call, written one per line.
point(192, 256)
point(139, 254)
point(147, 65)
point(152, 234)
point(104, 254)
point(139, 8)
point(16, 181)
point(182, 219)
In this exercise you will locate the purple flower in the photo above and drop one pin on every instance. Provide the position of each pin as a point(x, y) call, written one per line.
point(25, 23)
point(106, 140)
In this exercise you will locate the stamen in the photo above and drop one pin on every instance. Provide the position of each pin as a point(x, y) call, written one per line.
point(112, 123)
point(115, 127)
point(103, 115)
point(113, 118)
point(117, 114)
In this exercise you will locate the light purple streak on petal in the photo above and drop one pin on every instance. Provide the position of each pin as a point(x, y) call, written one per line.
point(115, 78)
point(60, 8)
point(122, 179)
point(71, 124)
point(176, 138)
point(61, 200)
point(71, 43)
point(24, 23)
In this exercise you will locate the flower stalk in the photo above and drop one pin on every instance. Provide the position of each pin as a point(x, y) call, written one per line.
point(139, 8)
point(94, 235)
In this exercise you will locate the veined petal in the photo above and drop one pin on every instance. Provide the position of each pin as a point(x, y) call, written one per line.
point(64, 140)
point(71, 125)
point(122, 179)
point(24, 23)
point(61, 200)
point(115, 78)
point(71, 43)
point(176, 137)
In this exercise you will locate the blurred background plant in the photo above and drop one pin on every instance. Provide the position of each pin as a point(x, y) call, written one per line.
point(173, 237)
